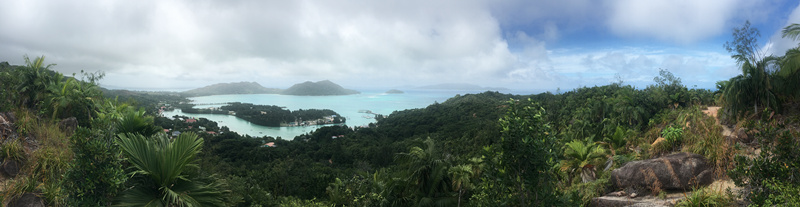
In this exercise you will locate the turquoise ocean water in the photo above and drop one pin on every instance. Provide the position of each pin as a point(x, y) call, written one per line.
point(347, 106)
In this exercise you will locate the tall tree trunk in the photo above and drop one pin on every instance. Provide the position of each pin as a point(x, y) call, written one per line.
point(460, 192)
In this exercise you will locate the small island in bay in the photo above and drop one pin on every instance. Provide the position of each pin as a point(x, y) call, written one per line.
point(320, 88)
point(273, 116)
point(394, 91)
point(231, 88)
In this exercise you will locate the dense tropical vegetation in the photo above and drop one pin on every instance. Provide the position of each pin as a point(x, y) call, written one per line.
point(487, 149)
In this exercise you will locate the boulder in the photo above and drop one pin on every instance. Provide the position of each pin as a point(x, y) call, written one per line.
point(27, 200)
point(679, 171)
point(9, 116)
point(68, 125)
point(6, 126)
point(741, 135)
point(11, 167)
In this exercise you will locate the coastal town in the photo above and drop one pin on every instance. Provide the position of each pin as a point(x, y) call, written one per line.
point(322, 121)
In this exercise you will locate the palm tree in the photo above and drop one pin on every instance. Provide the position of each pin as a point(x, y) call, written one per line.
point(582, 156)
point(162, 168)
point(753, 87)
point(62, 97)
point(461, 176)
point(615, 142)
point(790, 65)
point(35, 79)
point(136, 122)
point(427, 174)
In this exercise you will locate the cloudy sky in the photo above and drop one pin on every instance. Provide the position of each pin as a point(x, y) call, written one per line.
point(517, 44)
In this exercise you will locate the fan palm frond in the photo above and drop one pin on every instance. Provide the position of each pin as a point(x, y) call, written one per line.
point(163, 165)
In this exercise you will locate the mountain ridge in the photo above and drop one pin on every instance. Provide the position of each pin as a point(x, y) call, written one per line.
point(231, 88)
point(319, 88)
point(460, 86)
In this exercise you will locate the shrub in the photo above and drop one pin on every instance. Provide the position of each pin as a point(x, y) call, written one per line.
point(778, 160)
point(672, 135)
point(785, 194)
point(96, 175)
point(583, 193)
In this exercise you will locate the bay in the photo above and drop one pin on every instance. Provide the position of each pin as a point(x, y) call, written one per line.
point(349, 106)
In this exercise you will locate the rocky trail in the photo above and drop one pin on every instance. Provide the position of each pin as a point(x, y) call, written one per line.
point(712, 112)
point(671, 197)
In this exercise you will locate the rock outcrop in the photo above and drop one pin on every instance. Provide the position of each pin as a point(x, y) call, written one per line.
point(648, 201)
point(680, 171)
point(27, 200)
point(7, 125)
point(11, 167)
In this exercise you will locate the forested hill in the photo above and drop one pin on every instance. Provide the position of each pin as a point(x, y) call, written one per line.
point(320, 88)
point(231, 88)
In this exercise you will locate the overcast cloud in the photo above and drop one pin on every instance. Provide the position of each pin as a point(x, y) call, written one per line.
point(527, 45)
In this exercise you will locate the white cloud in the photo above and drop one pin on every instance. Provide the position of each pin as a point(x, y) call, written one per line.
point(280, 42)
point(777, 44)
point(509, 43)
point(638, 66)
point(681, 21)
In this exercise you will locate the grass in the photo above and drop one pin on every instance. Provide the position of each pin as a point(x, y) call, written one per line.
point(705, 197)
point(13, 150)
point(44, 168)
point(15, 188)
point(701, 135)
point(582, 193)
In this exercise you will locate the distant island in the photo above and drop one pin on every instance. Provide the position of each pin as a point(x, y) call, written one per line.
point(461, 86)
point(308, 88)
point(394, 91)
point(231, 88)
point(321, 88)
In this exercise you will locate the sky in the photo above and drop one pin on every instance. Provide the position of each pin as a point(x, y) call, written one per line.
point(516, 44)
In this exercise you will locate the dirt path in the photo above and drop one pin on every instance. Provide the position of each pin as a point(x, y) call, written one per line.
point(712, 112)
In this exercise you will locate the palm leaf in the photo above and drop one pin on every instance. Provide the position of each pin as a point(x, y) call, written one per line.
point(792, 31)
point(163, 165)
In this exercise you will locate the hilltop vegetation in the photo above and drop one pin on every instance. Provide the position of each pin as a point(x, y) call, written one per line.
point(64, 144)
